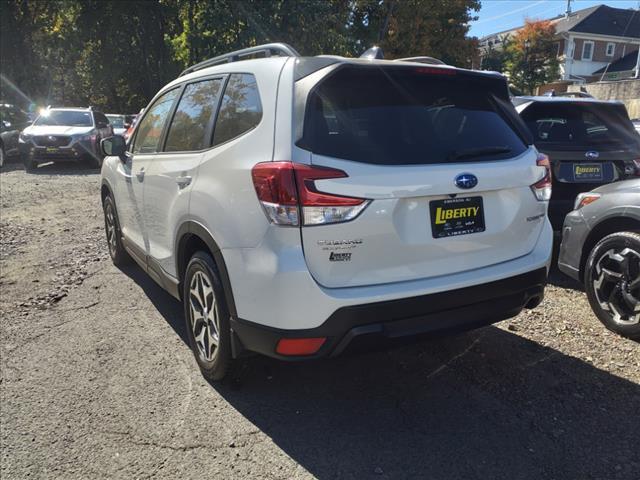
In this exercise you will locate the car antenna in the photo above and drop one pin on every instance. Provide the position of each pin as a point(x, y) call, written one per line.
point(373, 53)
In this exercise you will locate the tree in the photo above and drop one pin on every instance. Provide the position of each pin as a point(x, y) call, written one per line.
point(532, 59)
point(405, 28)
point(116, 55)
point(496, 59)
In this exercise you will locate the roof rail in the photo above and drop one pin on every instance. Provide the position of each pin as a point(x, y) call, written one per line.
point(280, 49)
point(427, 60)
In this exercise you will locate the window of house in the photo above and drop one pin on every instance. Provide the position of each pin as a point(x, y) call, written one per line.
point(150, 129)
point(192, 120)
point(572, 48)
point(611, 49)
point(240, 110)
point(587, 50)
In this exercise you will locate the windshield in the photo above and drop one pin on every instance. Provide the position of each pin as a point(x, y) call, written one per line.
point(67, 118)
point(408, 116)
point(575, 125)
point(116, 120)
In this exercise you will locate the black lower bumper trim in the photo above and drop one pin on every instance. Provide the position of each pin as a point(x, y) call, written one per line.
point(454, 310)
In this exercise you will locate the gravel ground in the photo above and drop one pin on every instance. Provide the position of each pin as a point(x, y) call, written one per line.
point(97, 381)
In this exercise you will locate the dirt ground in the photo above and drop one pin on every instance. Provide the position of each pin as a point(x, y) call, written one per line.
point(98, 382)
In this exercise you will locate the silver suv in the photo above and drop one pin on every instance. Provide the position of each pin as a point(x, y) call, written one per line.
point(64, 134)
point(298, 205)
point(601, 248)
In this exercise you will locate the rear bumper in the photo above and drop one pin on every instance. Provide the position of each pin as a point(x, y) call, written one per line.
point(454, 310)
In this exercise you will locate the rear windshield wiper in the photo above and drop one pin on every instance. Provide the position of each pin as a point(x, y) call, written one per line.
point(478, 152)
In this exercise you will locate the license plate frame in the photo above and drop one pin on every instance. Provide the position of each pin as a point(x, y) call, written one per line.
point(52, 150)
point(466, 222)
point(589, 172)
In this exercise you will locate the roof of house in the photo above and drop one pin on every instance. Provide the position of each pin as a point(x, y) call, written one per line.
point(603, 20)
point(623, 64)
point(600, 19)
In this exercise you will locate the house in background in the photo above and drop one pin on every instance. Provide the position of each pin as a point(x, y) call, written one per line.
point(589, 41)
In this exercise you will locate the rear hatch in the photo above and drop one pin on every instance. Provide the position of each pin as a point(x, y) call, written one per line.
point(588, 143)
point(403, 136)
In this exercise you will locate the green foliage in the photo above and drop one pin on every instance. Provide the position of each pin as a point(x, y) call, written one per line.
point(496, 59)
point(116, 55)
point(531, 56)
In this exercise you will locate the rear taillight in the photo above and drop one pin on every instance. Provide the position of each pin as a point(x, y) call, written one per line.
point(542, 188)
point(289, 195)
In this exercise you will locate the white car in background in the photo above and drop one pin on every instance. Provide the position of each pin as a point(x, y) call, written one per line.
point(297, 205)
point(118, 123)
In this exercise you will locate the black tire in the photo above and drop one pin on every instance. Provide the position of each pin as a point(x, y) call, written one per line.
point(2, 156)
point(612, 282)
point(29, 163)
point(219, 361)
point(118, 254)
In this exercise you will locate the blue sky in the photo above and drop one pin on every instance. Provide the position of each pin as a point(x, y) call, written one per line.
point(497, 15)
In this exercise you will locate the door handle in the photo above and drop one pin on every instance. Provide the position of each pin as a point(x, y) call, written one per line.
point(140, 175)
point(184, 181)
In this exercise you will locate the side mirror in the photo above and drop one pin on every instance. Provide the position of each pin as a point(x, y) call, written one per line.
point(115, 146)
point(127, 126)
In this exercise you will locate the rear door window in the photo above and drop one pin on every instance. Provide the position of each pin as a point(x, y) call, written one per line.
point(149, 132)
point(241, 109)
point(397, 116)
point(191, 124)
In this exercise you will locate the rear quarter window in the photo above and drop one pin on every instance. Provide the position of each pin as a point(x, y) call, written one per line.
point(241, 109)
point(402, 116)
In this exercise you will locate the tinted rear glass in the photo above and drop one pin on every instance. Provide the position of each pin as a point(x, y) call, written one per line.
point(576, 125)
point(408, 116)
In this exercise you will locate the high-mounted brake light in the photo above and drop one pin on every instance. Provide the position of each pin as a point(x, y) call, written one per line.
point(287, 191)
point(542, 188)
point(435, 71)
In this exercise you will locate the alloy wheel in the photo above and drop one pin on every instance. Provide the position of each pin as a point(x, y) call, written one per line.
point(203, 316)
point(616, 284)
point(111, 229)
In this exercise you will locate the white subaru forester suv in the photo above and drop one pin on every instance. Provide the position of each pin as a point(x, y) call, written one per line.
point(299, 205)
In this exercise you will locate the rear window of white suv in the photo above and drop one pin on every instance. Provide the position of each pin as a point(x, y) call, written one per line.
point(398, 116)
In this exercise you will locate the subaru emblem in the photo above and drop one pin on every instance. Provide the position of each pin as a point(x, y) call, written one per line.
point(592, 155)
point(466, 181)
